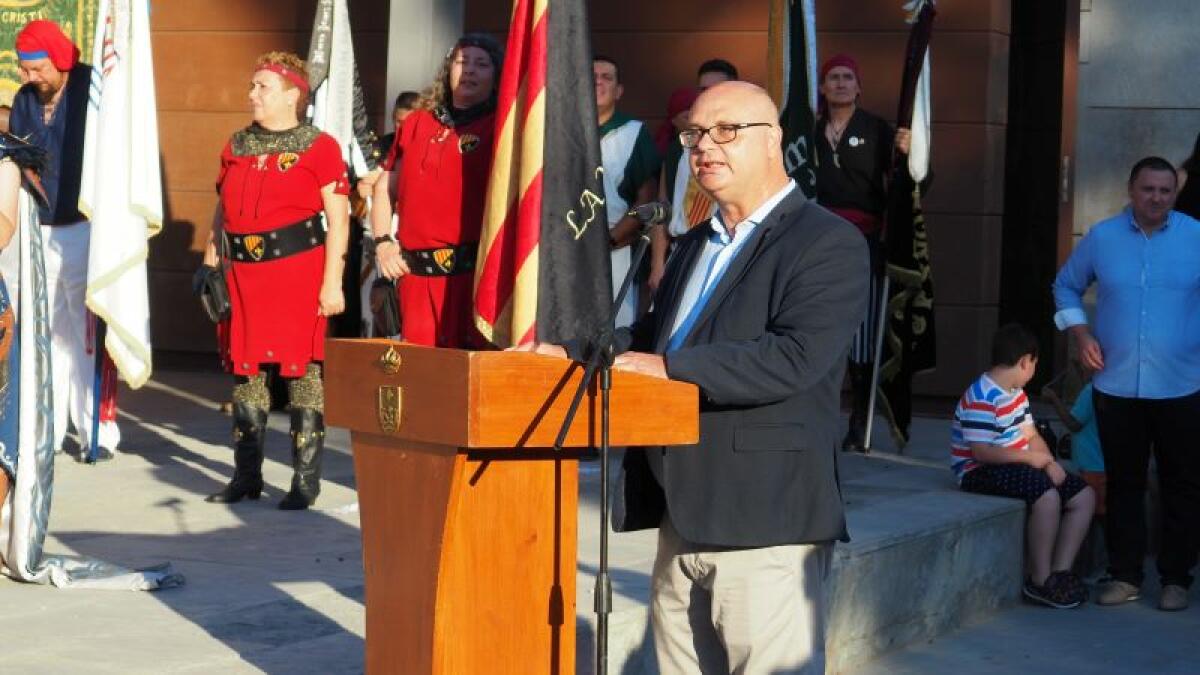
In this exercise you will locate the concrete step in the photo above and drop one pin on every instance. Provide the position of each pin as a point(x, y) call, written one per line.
point(920, 566)
point(924, 559)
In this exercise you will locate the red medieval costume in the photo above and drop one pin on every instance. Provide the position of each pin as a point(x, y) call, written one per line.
point(270, 186)
point(443, 164)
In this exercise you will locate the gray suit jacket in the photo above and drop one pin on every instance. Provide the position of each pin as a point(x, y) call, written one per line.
point(768, 354)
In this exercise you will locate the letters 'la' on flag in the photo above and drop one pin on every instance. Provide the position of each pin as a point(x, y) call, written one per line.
point(543, 267)
point(121, 185)
point(337, 98)
point(792, 83)
point(909, 345)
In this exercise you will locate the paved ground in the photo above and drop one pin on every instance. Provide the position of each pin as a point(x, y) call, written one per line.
point(266, 590)
point(275, 592)
point(1134, 638)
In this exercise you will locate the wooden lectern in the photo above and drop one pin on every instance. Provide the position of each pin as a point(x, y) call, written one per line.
point(468, 514)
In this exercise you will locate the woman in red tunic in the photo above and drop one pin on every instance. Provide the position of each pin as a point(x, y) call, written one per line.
point(284, 271)
point(442, 155)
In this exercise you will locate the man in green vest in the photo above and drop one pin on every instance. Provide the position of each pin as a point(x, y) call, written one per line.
point(631, 165)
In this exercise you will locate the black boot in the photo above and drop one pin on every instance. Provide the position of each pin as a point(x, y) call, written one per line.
point(860, 392)
point(308, 444)
point(249, 432)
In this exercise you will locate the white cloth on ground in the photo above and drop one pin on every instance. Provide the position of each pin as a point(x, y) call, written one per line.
point(25, 515)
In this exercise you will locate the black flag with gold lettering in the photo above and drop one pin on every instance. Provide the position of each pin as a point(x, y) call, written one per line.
point(792, 83)
point(543, 269)
point(574, 287)
point(909, 341)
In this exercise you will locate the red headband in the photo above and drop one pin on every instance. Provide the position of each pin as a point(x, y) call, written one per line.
point(287, 74)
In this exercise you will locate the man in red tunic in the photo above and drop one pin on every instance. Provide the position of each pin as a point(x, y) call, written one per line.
point(443, 154)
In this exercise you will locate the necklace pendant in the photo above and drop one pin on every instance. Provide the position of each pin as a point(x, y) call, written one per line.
point(837, 160)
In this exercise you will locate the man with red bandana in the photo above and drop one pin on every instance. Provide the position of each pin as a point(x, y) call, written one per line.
point(443, 155)
point(854, 154)
point(50, 111)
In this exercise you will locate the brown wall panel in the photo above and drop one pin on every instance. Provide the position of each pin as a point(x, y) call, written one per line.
point(967, 15)
point(965, 250)
point(191, 146)
point(189, 217)
point(370, 53)
point(260, 15)
point(194, 76)
point(964, 345)
point(968, 169)
point(176, 320)
point(679, 15)
point(231, 15)
point(626, 16)
point(969, 75)
point(210, 71)
point(970, 72)
point(675, 57)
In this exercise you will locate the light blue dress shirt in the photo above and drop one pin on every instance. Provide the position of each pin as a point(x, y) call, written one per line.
point(1147, 305)
point(719, 250)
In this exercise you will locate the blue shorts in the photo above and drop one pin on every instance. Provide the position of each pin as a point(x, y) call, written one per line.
point(1019, 481)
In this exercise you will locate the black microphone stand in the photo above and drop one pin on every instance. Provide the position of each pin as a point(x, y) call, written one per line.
point(601, 359)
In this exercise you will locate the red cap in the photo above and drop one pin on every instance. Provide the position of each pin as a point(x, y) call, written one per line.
point(843, 60)
point(681, 100)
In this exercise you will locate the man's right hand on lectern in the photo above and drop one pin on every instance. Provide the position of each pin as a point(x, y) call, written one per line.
point(543, 348)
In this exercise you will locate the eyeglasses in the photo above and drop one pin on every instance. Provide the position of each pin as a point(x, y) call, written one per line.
point(719, 133)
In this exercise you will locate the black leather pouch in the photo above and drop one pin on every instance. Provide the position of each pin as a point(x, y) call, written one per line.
point(385, 308)
point(209, 285)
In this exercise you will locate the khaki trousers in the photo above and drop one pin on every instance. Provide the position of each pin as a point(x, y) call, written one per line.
point(738, 610)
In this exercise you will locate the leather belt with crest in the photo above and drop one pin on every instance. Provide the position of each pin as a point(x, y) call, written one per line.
point(275, 244)
point(441, 262)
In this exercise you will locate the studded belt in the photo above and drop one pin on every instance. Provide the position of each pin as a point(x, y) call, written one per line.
point(441, 262)
point(275, 244)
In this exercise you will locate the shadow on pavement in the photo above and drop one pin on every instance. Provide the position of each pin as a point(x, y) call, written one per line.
point(281, 590)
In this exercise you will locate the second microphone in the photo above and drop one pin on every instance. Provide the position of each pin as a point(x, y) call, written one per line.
point(651, 213)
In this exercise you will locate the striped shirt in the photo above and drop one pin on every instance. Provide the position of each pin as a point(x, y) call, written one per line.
point(987, 413)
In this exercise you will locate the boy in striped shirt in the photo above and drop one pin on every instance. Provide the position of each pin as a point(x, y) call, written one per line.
point(995, 450)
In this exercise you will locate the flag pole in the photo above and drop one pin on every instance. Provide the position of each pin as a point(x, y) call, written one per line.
point(600, 360)
point(921, 18)
point(93, 450)
point(875, 361)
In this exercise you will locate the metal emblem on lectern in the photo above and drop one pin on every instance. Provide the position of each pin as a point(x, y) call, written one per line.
point(390, 361)
point(390, 401)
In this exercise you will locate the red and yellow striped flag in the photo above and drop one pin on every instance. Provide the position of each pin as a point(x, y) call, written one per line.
point(543, 267)
point(506, 279)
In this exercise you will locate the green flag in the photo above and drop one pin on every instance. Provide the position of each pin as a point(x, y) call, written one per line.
point(792, 82)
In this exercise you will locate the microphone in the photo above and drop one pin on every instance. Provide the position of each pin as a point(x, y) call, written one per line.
point(652, 213)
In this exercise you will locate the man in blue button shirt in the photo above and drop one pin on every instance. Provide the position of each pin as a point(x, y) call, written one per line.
point(1145, 349)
